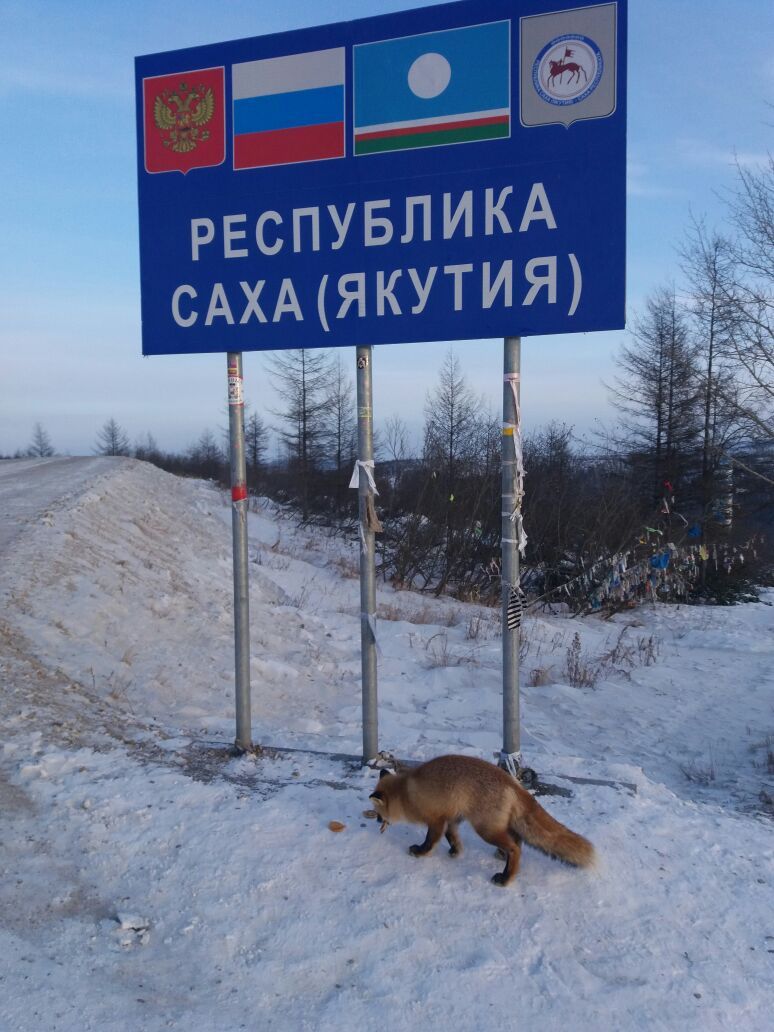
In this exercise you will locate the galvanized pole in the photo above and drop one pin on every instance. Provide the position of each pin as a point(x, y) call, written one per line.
point(365, 452)
point(510, 549)
point(236, 425)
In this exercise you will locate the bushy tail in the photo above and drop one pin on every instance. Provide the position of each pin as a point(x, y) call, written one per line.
point(539, 829)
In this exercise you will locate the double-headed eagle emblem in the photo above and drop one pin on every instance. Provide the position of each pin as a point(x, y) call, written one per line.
point(181, 116)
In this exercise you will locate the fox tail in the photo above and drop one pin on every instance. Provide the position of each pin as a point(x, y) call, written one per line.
point(539, 829)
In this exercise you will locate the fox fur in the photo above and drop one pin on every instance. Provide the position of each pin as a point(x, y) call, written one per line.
point(449, 789)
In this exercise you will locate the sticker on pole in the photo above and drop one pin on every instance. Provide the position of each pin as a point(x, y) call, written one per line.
point(235, 392)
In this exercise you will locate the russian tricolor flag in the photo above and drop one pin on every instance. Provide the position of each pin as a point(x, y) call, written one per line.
point(289, 109)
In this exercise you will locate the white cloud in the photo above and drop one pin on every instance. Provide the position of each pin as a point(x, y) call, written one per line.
point(60, 83)
point(708, 155)
point(639, 182)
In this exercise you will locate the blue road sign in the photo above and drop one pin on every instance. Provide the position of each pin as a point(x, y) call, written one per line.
point(444, 173)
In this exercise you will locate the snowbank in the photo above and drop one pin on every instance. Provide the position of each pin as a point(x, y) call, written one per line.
point(152, 883)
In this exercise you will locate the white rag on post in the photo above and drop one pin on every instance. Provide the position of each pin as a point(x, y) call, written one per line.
point(367, 466)
point(515, 516)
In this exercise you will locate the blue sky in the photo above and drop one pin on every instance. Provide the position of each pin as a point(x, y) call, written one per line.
point(701, 74)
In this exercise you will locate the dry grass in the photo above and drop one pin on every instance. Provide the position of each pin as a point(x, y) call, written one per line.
point(701, 774)
point(483, 626)
point(539, 677)
point(425, 615)
point(347, 568)
point(627, 654)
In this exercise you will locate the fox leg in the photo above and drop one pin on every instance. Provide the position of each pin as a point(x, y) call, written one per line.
point(434, 832)
point(510, 844)
point(453, 838)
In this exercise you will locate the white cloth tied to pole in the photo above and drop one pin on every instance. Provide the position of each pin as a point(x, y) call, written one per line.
point(512, 763)
point(521, 534)
point(367, 466)
point(515, 516)
point(370, 619)
point(369, 520)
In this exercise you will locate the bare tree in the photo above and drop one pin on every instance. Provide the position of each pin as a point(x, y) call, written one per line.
point(656, 390)
point(41, 446)
point(302, 380)
point(147, 449)
point(112, 439)
point(579, 507)
point(340, 418)
point(256, 442)
point(709, 266)
point(751, 209)
point(396, 439)
point(206, 457)
point(450, 426)
point(457, 491)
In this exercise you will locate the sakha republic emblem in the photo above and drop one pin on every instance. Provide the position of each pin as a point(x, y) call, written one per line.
point(184, 120)
point(567, 70)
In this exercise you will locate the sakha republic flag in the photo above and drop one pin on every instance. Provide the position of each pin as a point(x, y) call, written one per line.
point(289, 109)
point(451, 86)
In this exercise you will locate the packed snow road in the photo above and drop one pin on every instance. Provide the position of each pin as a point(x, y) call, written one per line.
point(28, 487)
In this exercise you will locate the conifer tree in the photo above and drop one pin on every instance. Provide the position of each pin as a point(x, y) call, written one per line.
point(112, 440)
point(656, 391)
point(41, 446)
point(302, 380)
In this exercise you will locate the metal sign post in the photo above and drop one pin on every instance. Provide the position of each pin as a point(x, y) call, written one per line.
point(366, 490)
point(511, 537)
point(236, 426)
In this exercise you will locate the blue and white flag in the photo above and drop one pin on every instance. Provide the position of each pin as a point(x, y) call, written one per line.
point(437, 88)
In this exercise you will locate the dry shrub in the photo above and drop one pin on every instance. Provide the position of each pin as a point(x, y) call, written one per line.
point(581, 672)
point(440, 655)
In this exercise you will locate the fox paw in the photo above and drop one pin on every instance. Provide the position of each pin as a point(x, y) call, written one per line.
point(417, 851)
point(454, 851)
point(499, 879)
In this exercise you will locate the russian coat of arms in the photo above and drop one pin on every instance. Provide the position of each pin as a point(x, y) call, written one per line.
point(181, 115)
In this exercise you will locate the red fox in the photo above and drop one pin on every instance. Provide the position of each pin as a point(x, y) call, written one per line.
point(449, 789)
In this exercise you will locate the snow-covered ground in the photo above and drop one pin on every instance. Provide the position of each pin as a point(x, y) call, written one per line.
point(151, 882)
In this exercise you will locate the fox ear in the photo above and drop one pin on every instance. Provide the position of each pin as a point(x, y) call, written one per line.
point(377, 795)
point(384, 773)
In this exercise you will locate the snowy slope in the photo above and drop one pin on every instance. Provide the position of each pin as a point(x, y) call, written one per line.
point(150, 882)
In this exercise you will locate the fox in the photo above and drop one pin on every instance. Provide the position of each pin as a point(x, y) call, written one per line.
point(449, 789)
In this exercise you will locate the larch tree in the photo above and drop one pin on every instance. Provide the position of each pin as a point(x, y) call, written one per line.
point(655, 391)
point(341, 419)
point(708, 264)
point(751, 208)
point(112, 439)
point(302, 381)
point(256, 443)
point(41, 446)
